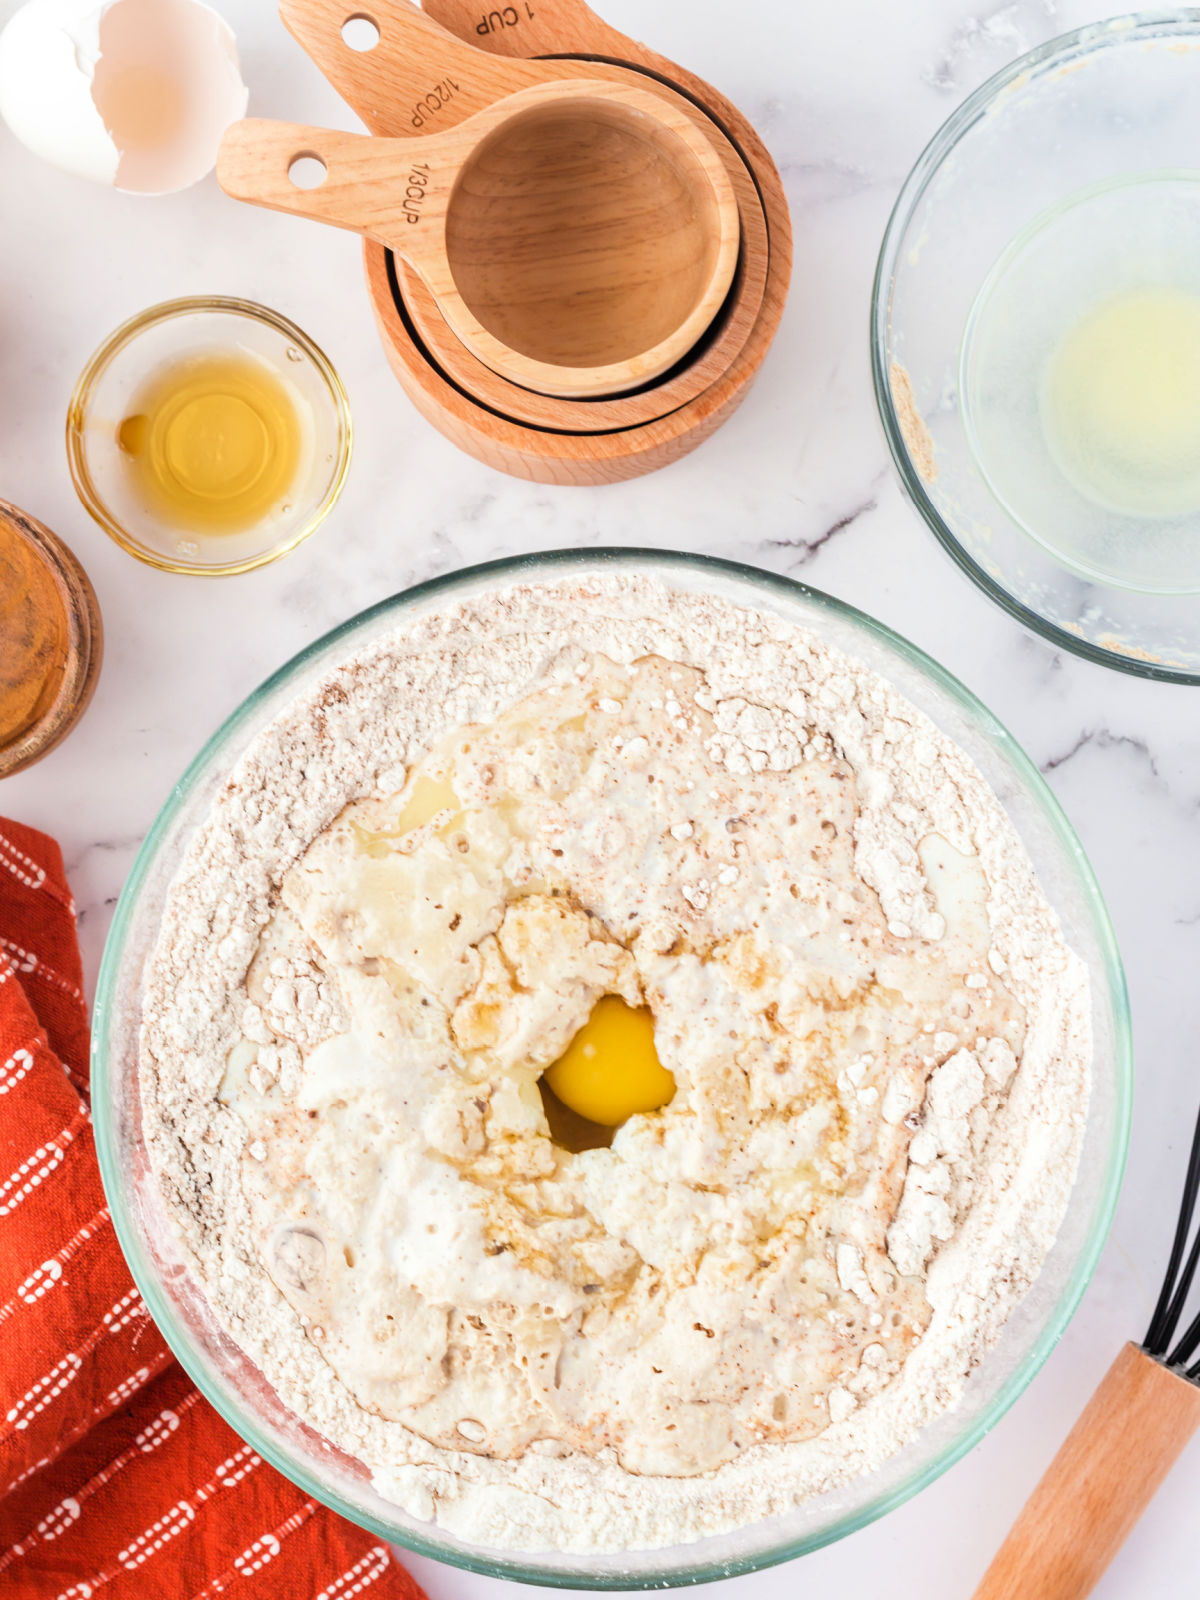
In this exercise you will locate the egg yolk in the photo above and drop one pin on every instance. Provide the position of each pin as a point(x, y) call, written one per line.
point(610, 1070)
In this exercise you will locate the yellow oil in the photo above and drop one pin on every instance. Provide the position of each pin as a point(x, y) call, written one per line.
point(213, 442)
point(428, 798)
point(1121, 403)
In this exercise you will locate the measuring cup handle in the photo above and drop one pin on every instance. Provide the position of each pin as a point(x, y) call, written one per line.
point(379, 187)
point(416, 78)
point(526, 28)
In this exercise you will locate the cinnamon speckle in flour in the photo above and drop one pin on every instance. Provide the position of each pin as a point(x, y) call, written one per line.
point(408, 897)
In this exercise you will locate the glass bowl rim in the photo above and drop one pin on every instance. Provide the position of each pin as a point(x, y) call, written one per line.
point(1109, 31)
point(126, 334)
point(512, 1566)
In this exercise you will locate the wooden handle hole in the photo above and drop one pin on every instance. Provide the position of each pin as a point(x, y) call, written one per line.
point(307, 170)
point(360, 33)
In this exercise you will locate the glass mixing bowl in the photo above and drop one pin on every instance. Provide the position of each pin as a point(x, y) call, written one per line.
point(240, 1392)
point(1093, 110)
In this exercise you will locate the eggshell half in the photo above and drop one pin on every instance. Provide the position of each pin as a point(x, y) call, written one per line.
point(136, 93)
point(46, 56)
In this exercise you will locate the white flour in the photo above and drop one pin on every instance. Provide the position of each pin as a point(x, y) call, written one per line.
point(995, 1140)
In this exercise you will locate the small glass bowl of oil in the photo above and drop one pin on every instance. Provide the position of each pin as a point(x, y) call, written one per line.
point(209, 436)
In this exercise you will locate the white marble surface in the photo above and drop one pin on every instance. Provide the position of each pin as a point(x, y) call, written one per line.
point(798, 481)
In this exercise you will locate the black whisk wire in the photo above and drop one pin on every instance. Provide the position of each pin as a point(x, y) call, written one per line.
point(1177, 1283)
point(1179, 1299)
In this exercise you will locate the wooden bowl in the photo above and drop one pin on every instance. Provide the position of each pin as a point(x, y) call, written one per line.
point(432, 67)
point(579, 235)
point(701, 367)
point(553, 455)
point(69, 681)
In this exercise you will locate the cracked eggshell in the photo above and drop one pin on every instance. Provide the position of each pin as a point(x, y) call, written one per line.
point(135, 93)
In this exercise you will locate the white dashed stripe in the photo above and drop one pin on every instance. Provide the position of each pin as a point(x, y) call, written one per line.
point(14, 1069)
point(39, 1281)
point(236, 1467)
point(26, 961)
point(61, 1375)
point(127, 1387)
point(16, 1484)
point(181, 1515)
point(231, 1471)
point(169, 1526)
point(49, 1388)
point(127, 1313)
point(257, 1555)
point(276, 1536)
point(59, 1520)
point(50, 1272)
point(64, 1441)
point(157, 1431)
point(21, 1184)
point(362, 1574)
point(91, 1487)
point(127, 1309)
point(22, 867)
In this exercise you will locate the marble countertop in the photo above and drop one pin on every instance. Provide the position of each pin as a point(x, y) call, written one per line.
point(798, 481)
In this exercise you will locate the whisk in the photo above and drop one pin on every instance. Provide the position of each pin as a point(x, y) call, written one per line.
point(1115, 1458)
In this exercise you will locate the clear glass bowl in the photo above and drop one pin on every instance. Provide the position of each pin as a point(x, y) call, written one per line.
point(206, 325)
point(240, 1392)
point(1092, 108)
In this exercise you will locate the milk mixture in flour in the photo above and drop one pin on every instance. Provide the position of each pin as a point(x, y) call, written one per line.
point(468, 837)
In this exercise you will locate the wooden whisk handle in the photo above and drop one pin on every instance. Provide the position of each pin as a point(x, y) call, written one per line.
point(1105, 1475)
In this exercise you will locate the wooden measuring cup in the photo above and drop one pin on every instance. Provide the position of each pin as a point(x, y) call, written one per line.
point(700, 367)
point(390, 87)
point(531, 30)
point(578, 237)
point(555, 455)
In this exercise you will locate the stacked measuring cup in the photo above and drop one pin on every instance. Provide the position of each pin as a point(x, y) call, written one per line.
point(577, 252)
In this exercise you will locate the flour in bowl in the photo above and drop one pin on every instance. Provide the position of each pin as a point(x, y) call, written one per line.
point(416, 888)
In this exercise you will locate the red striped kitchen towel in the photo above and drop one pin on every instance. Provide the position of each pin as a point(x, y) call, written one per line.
point(116, 1477)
